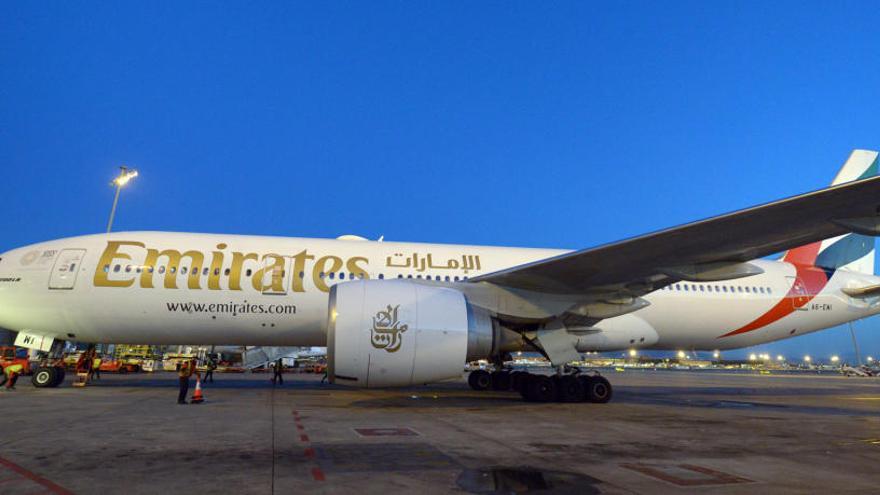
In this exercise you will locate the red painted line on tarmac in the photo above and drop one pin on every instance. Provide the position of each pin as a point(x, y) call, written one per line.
point(52, 487)
point(308, 452)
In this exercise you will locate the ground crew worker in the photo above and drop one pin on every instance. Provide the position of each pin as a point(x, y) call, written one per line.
point(10, 375)
point(84, 364)
point(212, 365)
point(276, 374)
point(187, 369)
point(96, 367)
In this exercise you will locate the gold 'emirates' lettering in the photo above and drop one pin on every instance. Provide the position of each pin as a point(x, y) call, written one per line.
point(268, 273)
point(299, 270)
point(111, 253)
point(321, 270)
point(275, 271)
point(216, 266)
point(174, 258)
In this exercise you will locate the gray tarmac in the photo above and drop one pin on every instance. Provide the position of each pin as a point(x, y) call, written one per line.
point(664, 432)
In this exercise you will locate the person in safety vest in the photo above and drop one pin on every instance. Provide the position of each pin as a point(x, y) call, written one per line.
point(10, 375)
point(96, 367)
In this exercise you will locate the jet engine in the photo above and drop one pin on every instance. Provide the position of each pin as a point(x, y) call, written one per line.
point(386, 333)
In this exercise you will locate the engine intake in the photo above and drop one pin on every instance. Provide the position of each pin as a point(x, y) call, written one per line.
point(386, 333)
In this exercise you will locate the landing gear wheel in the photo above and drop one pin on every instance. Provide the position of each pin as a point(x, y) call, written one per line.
point(59, 376)
point(597, 389)
point(501, 380)
point(539, 388)
point(517, 379)
point(571, 389)
point(45, 378)
point(480, 380)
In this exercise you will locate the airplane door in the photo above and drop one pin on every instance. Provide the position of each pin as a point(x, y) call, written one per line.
point(67, 266)
point(273, 277)
point(799, 296)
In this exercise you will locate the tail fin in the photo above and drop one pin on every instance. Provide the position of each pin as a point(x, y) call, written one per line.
point(851, 252)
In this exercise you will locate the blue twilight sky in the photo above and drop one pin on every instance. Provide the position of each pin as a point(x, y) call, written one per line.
point(563, 124)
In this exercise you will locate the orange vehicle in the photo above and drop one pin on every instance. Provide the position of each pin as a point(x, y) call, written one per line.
point(15, 355)
point(117, 366)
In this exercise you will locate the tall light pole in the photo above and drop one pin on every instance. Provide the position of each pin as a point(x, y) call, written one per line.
point(125, 175)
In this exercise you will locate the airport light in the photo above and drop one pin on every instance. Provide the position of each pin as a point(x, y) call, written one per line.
point(633, 353)
point(125, 176)
point(716, 354)
point(807, 359)
point(780, 358)
point(753, 357)
point(870, 359)
point(681, 355)
point(835, 359)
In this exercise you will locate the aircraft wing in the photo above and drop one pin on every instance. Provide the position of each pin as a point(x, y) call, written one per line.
point(716, 247)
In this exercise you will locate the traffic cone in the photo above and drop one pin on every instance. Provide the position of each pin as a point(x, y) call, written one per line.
point(197, 397)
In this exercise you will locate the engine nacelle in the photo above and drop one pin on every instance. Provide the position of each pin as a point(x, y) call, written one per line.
point(387, 333)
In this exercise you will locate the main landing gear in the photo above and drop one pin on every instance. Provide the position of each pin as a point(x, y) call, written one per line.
point(574, 387)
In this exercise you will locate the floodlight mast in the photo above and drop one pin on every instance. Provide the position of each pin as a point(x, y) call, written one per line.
point(125, 175)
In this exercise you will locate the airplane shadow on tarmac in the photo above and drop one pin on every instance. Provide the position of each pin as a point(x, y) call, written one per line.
point(457, 395)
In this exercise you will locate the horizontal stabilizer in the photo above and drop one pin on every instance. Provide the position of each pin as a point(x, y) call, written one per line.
point(862, 292)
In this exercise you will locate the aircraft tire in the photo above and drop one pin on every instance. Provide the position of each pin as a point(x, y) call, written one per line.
point(501, 380)
point(540, 388)
point(517, 379)
point(480, 380)
point(571, 389)
point(45, 378)
point(597, 389)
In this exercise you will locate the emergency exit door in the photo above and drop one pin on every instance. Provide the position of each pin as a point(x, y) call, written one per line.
point(67, 266)
point(273, 277)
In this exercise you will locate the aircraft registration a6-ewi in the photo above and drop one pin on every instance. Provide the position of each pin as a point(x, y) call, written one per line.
point(397, 314)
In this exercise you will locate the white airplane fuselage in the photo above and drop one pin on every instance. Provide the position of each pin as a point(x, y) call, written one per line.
point(142, 287)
